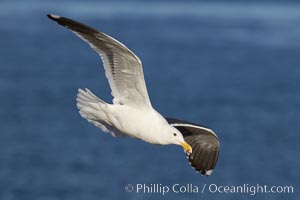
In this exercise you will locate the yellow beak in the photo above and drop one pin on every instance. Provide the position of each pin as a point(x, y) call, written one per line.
point(186, 147)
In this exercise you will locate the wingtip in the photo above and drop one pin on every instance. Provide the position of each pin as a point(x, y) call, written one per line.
point(209, 172)
point(53, 17)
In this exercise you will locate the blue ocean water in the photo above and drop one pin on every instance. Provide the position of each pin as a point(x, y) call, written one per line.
point(234, 67)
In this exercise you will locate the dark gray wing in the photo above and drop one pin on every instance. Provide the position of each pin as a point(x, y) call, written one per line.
point(204, 142)
point(123, 68)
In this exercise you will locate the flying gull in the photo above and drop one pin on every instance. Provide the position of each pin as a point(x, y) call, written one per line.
point(131, 113)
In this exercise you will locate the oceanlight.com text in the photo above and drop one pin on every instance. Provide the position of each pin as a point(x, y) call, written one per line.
point(249, 189)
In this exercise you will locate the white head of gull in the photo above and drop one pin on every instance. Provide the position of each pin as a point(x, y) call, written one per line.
point(131, 113)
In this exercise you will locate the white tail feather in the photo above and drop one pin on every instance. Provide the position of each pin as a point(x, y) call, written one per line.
point(93, 108)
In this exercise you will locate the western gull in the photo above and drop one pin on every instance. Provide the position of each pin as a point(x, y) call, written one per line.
point(131, 113)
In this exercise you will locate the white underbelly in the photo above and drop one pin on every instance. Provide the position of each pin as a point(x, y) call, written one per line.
point(138, 123)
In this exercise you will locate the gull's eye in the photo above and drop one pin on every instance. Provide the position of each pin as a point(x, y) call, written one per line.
point(174, 134)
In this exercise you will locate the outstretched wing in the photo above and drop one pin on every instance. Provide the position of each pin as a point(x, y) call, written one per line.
point(204, 142)
point(123, 68)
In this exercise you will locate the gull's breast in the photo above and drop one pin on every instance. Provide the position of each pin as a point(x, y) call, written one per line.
point(142, 123)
